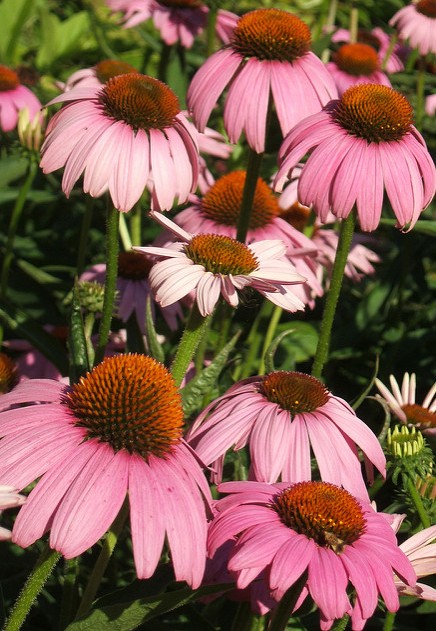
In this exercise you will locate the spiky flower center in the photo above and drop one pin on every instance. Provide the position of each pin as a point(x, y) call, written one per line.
point(419, 415)
point(294, 391)
point(133, 266)
point(357, 59)
point(8, 374)
point(131, 402)
point(222, 202)
point(221, 255)
point(329, 515)
point(427, 8)
point(182, 4)
point(140, 101)
point(374, 112)
point(8, 79)
point(297, 215)
point(271, 34)
point(109, 68)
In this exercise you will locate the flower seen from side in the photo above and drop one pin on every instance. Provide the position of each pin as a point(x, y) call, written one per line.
point(9, 498)
point(417, 23)
point(346, 551)
point(123, 137)
point(354, 64)
point(15, 97)
point(282, 417)
point(215, 265)
point(269, 53)
point(403, 404)
point(98, 75)
point(360, 146)
point(117, 432)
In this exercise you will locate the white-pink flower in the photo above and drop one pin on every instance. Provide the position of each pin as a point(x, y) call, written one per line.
point(215, 265)
point(13, 98)
point(417, 24)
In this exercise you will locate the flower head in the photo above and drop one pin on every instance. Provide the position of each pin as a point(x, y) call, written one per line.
point(361, 145)
point(117, 431)
point(317, 528)
point(98, 75)
point(269, 52)
point(13, 98)
point(381, 43)
point(124, 136)
point(214, 265)
point(403, 405)
point(417, 23)
point(355, 64)
point(282, 416)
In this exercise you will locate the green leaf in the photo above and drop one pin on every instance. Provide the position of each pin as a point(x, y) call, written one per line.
point(424, 226)
point(11, 168)
point(13, 15)
point(59, 39)
point(296, 348)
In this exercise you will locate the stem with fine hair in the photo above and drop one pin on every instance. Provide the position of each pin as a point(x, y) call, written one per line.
point(340, 625)
point(344, 244)
point(34, 584)
point(416, 499)
point(251, 177)
point(196, 327)
point(272, 326)
point(112, 247)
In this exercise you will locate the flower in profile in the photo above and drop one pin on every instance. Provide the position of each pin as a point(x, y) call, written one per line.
point(124, 136)
point(381, 42)
point(361, 145)
point(217, 212)
point(133, 289)
point(417, 23)
point(403, 404)
point(14, 97)
point(98, 75)
point(177, 20)
point(345, 552)
point(118, 431)
point(269, 53)
point(282, 416)
point(354, 64)
point(215, 265)
point(9, 498)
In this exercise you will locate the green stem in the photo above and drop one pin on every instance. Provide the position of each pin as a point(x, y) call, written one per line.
point(341, 624)
point(254, 340)
point(272, 326)
point(34, 584)
point(246, 620)
point(69, 593)
point(210, 32)
point(389, 621)
point(135, 224)
point(344, 244)
point(285, 608)
point(125, 234)
point(331, 18)
point(420, 93)
point(165, 54)
point(84, 234)
point(416, 498)
point(354, 24)
point(391, 47)
point(103, 560)
point(252, 174)
point(112, 247)
point(196, 326)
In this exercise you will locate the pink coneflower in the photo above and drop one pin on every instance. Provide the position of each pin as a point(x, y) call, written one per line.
point(215, 265)
point(98, 75)
point(9, 375)
point(417, 23)
point(133, 289)
point(354, 64)
point(268, 54)
point(124, 136)
point(218, 213)
point(430, 105)
point(361, 144)
point(348, 550)
point(281, 417)
point(116, 432)
point(9, 498)
point(177, 20)
point(381, 43)
point(13, 98)
point(403, 405)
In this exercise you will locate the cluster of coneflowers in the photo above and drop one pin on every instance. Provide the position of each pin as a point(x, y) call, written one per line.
point(119, 431)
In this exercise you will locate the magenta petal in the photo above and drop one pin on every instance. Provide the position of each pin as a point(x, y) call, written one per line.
point(130, 171)
point(291, 561)
point(163, 170)
point(327, 582)
point(269, 444)
point(256, 547)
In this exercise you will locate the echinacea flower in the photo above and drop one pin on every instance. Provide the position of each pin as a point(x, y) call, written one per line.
point(381, 42)
point(8, 374)
point(215, 265)
point(403, 404)
point(417, 24)
point(177, 20)
point(124, 136)
point(13, 98)
point(217, 212)
point(282, 416)
point(9, 498)
point(268, 55)
point(118, 431)
point(345, 552)
point(361, 145)
point(430, 105)
point(98, 75)
point(354, 64)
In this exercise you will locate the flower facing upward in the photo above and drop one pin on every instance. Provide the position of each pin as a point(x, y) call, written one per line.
point(268, 53)
point(117, 431)
point(282, 416)
point(124, 136)
point(403, 405)
point(355, 64)
point(312, 527)
point(361, 144)
point(214, 265)
point(417, 23)
point(13, 98)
